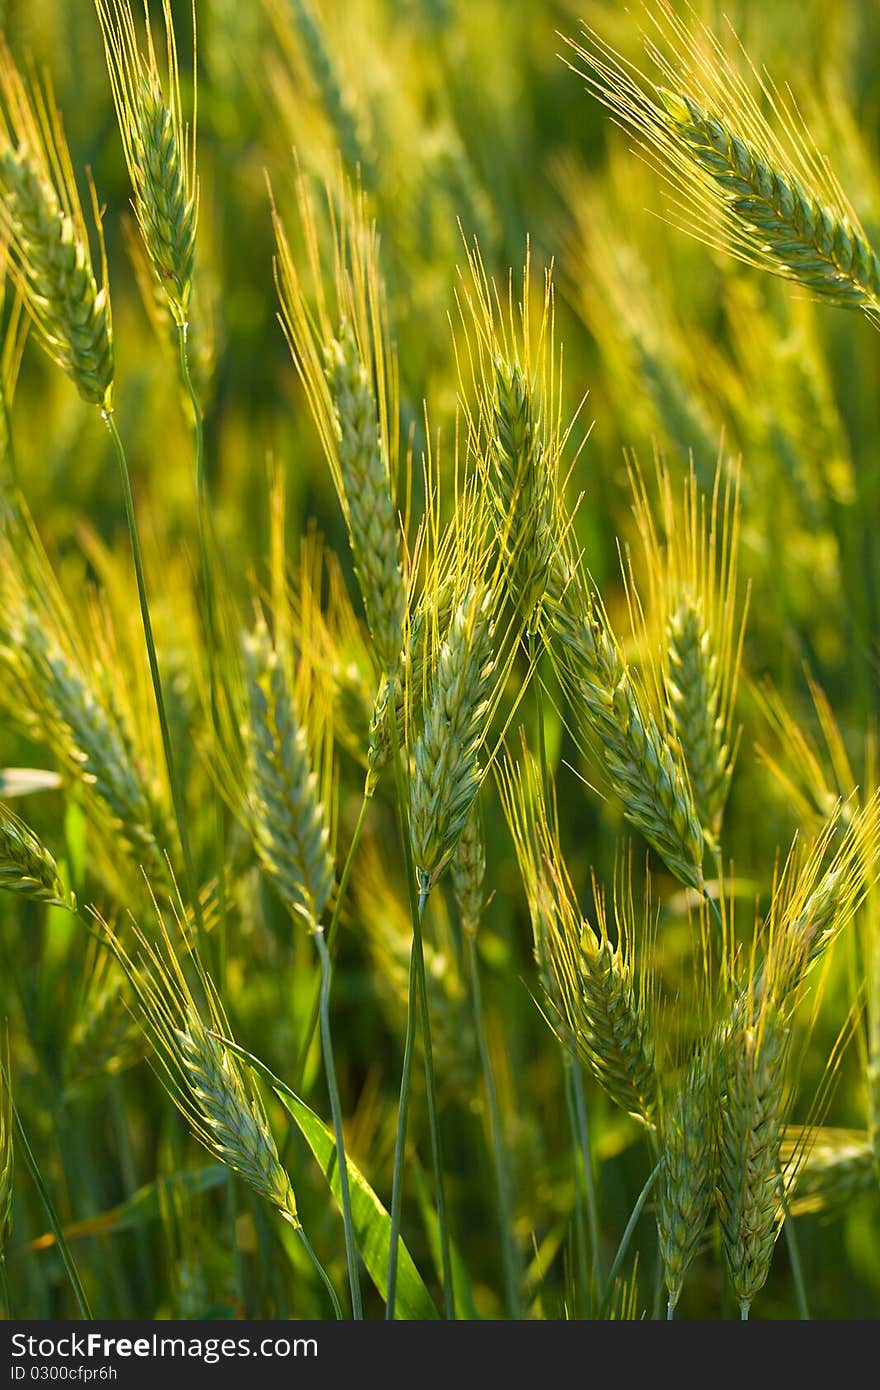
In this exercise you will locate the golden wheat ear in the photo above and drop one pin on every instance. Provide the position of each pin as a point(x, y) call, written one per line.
point(762, 192)
point(42, 220)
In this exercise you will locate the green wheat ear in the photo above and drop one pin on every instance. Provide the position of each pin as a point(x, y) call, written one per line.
point(160, 148)
point(214, 1092)
point(42, 219)
point(763, 193)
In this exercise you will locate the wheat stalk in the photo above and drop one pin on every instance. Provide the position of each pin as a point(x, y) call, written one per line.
point(7, 1156)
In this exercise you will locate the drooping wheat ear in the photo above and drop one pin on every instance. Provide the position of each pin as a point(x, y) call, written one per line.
point(838, 1165)
point(691, 555)
point(446, 766)
point(612, 714)
point(752, 1060)
point(41, 216)
point(215, 1094)
point(349, 374)
point(816, 896)
point(686, 1192)
point(160, 147)
point(63, 710)
point(595, 1001)
point(7, 1157)
point(469, 872)
point(765, 194)
point(373, 529)
point(26, 866)
point(285, 811)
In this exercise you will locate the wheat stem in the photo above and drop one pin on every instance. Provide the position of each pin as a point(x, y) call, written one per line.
point(351, 1251)
point(797, 1271)
point(509, 1259)
point(170, 761)
point(332, 932)
point(585, 1155)
point(627, 1236)
point(5, 1291)
point(325, 1278)
point(419, 979)
point(55, 1226)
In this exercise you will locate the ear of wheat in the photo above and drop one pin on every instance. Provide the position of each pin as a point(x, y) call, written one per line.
point(284, 808)
point(446, 768)
point(160, 148)
point(689, 1137)
point(753, 1062)
point(349, 375)
point(41, 216)
point(766, 195)
point(469, 872)
point(26, 866)
point(510, 389)
point(691, 553)
point(595, 1001)
point(613, 715)
point(215, 1094)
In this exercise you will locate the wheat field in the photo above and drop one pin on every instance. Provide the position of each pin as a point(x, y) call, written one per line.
point(439, 596)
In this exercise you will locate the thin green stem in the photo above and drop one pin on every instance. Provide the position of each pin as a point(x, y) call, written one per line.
point(585, 1151)
point(351, 1250)
point(744, 1310)
point(627, 1236)
point(797, 1272)
point(332, 932)
point(5, 1292)
point(63, 1248)
point(502, 1177)
point(170, 762)
point(206, 551)
point(580, 1222)
point(325, 1278)
point(417, 901)
point(400, 1140)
